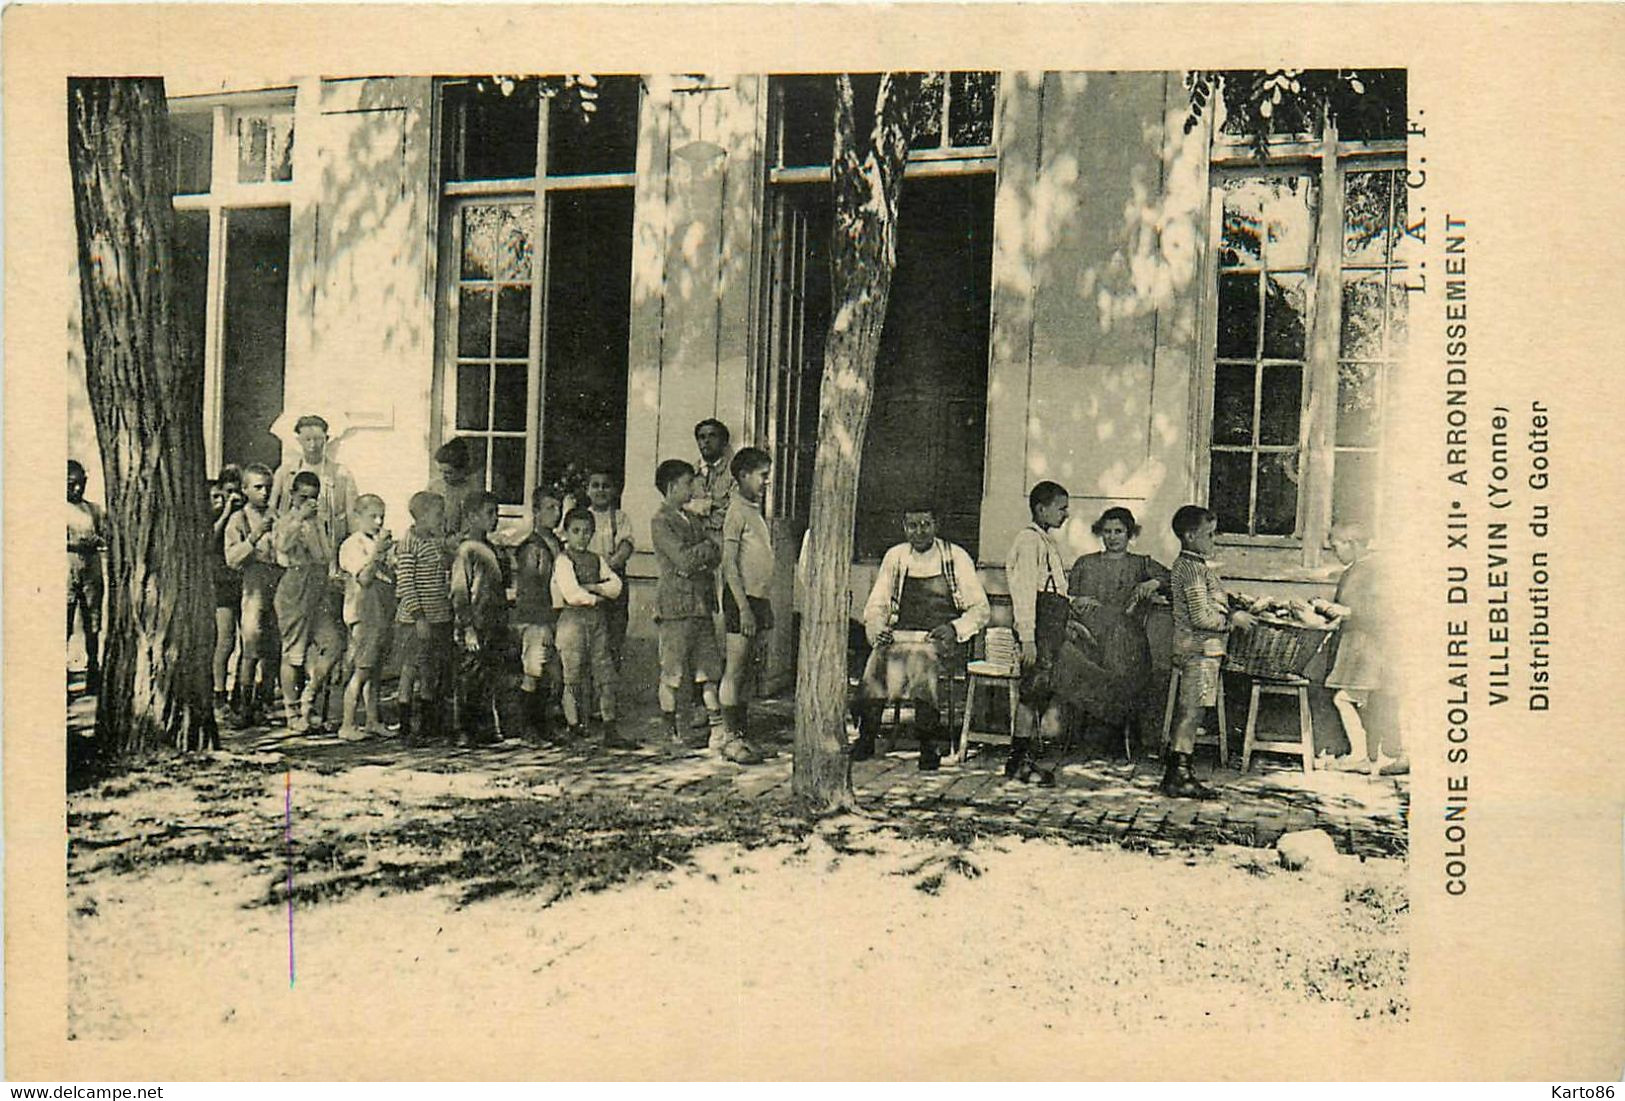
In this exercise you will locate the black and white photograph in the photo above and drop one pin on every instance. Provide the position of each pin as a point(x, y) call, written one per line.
point(814, 572)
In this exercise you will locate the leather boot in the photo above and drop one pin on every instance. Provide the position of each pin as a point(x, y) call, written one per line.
point(1020, 751)
point(1179, 782)
point(868, 722)
point(927, 723)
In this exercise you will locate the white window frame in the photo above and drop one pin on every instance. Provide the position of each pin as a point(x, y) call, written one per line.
point(457, 195)
point(1328, 159)
point(226, 194)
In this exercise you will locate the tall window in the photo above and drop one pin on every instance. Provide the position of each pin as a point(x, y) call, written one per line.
point(930, 404)
point(536, 284)
point(233, 173)
point(1309, 320)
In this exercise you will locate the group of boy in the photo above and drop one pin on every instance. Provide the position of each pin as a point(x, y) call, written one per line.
point(310, 588)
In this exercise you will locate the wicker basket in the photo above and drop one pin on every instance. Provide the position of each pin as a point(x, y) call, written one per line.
point(1275, 648)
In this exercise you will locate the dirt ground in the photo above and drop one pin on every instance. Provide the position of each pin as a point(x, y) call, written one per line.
point(463, 916)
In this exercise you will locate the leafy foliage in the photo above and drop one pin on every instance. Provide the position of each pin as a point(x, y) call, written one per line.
point(1264, 103)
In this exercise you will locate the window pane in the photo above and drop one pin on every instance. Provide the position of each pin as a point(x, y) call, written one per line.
point(1396, 228)
point(489, 133)
point(508, 470)
point(1288, 221)
point(928, 113)
point(1354, 487)
point(1361, 336)
point(253, 137)
point(473, 396)
point(1238, 316)
point(972, 101)
point(1284, 317)
point(1277, 512)
point(508, 415)
point(513, 322)
point(1398, 308)
point(589, 309)
point(590, 133)
point(497, 242)
point(1233, 403)
point(1279, 403)
point(193, 134)
point(474, 322)
point(807, 120)
point(1358, 396)
point(1242, 244)
point(1365, 216)
point(281, 146)
point(1229, 486)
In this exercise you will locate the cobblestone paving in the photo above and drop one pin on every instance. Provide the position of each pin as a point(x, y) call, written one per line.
point(1093, 799)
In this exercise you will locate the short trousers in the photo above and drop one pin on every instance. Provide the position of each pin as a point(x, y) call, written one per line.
point(1198, 679)
point(582, 637)
point(369, 641)
point(427, 659)
point(257, 621)
point(535, 648)
point(760, 607)
point(688, 646)
point(301, 608)
point(1359, 697)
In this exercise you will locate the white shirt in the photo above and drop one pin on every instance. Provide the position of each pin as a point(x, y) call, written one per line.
point(877, 611)
point(1033, 564)
point(567, 590)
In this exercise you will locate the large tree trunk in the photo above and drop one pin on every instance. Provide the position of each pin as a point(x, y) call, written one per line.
point(146, 394)
point(866, 175)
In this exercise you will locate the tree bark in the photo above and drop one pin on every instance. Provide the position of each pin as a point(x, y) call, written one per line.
point(146, 395)
point(866, 175)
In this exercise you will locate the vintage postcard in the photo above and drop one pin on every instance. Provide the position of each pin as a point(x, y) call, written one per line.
point(797, 542)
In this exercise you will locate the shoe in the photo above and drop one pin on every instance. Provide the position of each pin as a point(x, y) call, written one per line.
point(1014, 763)
point(863, 748)
point(1179, 782)
point(613, 738)
point(740, 752)
point(352, 734)
point(930, 759)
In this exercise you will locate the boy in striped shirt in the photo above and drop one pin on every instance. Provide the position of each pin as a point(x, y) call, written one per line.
point(1202, 623)
point(423, 614)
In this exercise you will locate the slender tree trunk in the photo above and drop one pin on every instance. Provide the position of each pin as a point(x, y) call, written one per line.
point(866, 176)
point(146, 394)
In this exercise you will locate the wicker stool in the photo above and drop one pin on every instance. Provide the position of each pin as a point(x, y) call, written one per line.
point(1221, 738)
point(999, 665)
point(1304, 747)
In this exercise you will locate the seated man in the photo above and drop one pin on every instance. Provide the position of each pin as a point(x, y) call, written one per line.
point(926, 603)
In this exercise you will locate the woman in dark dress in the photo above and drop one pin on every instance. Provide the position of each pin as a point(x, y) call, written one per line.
point(1111, 593)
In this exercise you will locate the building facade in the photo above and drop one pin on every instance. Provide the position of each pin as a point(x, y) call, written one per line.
point(569, 273)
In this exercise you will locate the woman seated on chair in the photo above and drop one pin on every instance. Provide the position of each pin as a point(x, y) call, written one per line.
point(1111, 593)
point(1036, 571)
point(927, 602)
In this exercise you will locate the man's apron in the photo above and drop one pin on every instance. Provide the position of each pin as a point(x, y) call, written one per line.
point(907, 668)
